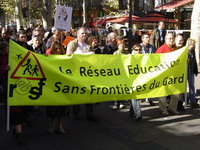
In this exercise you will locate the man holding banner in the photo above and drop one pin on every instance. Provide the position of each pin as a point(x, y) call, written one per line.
point(79, 46)
point(168, 46)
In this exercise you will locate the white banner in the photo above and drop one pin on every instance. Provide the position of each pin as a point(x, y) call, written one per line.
point(63, 18)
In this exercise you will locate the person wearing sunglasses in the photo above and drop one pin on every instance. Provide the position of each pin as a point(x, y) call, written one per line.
point(135, 109)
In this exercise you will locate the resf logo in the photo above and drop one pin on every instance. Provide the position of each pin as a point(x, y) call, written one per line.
point(28, 69)
point(23, 87)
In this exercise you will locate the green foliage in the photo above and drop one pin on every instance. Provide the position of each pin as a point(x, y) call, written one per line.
point(111, 6)
point(35, 12)
point(8, 6)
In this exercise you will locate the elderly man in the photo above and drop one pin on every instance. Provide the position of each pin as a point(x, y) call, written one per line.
point(158, 35)
point(179, 41)
point(79, 46)
point(111, 47)
point(168, 46)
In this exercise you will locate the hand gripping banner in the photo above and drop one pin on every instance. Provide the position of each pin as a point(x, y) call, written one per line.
point(36, 79)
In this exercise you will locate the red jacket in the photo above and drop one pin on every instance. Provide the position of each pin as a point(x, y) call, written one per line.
point(165, 49)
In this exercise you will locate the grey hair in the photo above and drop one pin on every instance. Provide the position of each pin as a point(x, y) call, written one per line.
point(111, 36)
point(169, 34)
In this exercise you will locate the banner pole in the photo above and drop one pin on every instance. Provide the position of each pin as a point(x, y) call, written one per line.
point(8, 119)
point(186, 86)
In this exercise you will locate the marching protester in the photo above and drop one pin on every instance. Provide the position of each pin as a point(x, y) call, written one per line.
point(22, 39)
point(135, 109)
point(192, 71)
point(168, 46)
point(93, 42)
point(3, 71)
point(111, 46)
point(38, 32)
point(5, 35)
point(121, 51)
point(147, 48)
point(55, 37)
point(179, 43)
point(79, 46)
point(56, 113)
point(20, 114)
point(157, 38)
point(37, 45)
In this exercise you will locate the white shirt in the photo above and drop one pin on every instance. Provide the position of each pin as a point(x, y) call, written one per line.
point(83, 48)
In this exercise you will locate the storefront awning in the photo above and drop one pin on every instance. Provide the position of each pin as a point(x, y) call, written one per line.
point(154, 17)
point(174, 4)
point(102, 22)
point(123, 19)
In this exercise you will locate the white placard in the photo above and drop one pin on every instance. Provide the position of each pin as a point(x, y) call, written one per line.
point(63, 17)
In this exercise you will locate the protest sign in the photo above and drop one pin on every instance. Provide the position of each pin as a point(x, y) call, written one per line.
point(63, 17)
point(67, 40)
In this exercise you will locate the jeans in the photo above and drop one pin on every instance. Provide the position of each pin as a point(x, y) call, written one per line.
point(191, 87)
point(135, 107)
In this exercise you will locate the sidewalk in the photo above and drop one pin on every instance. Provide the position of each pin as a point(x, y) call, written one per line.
point(114, 131)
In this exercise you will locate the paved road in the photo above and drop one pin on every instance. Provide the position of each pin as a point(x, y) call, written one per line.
point(114, 131)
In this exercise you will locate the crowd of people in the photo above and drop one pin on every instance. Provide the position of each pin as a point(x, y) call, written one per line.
point(38, 40)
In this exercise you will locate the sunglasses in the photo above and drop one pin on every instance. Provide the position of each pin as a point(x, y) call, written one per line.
point(22, 37)
point(137, 49)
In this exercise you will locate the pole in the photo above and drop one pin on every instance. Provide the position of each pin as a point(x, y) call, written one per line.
point(185, 94)
point(8, 119)
point(130, 25)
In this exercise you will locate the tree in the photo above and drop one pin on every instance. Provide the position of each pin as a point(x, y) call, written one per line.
point(18, 10)
point(2, 17)
point(111, 6)
point(7, 10)
point(195, 26)
point(85, 12)
point(46, 12)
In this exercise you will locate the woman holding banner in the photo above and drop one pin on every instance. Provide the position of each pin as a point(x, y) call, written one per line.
point(56, 112)
point(192, 71)
point(121, 51)
point(135, 104)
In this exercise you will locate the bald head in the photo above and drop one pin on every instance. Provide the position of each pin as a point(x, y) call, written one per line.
point(179, 41)
point(82, 34)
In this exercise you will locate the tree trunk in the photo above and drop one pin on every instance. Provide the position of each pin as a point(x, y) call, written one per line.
point(195, 27)
point(84, 12)
point(130, 26)
point(136, 5)
point(47, 13)
point(2, 18)
point(18, 10)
